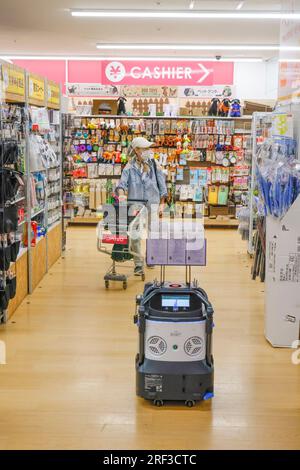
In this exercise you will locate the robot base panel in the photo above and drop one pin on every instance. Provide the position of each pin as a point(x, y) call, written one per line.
point(174, 381)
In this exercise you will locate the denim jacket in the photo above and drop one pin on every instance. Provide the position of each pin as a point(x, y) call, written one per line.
point(145, 186)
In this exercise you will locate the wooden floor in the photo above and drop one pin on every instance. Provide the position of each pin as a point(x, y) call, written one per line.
point(69, 381)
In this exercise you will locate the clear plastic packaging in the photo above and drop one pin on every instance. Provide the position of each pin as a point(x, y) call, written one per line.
point(278, 176)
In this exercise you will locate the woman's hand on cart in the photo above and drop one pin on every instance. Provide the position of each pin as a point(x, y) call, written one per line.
point(161, 207)
point(120, 197)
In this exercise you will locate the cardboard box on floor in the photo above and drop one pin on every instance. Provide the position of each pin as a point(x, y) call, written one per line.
point(215, 211)
point(282, 319)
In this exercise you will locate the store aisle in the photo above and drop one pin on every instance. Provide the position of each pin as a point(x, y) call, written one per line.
point(69, 381)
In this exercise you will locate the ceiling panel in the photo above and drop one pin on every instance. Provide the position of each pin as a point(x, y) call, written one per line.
point(26, 29)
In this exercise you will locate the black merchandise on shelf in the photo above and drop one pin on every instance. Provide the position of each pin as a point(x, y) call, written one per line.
point(214, 106)
point(4, 297)
point(12, 286)
point(10, 182)
point(14, 248)
point(259, 258)
point(5, 257)
point(9, 152)
point(9, 219)
point(13, 123)
point(121, 105)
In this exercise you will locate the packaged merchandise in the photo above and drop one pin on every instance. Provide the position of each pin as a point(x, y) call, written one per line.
point(223, 195)
point(213, 192)
point(278, 176)
point(97, 148)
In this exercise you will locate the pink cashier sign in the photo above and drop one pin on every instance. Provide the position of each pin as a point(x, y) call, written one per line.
point(167, 73)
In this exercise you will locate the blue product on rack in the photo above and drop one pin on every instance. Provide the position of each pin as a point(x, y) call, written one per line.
point(194, 176)
point(278, 175)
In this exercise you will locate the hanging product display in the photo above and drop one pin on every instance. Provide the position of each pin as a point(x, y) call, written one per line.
point(54, 170)
point(262, 125)
point(12, 198)
point(274, 183)
point(44, 159)
point(223, 195)
point(30, 185)
point(276, 249)
point(278, 175)
point(259, 258)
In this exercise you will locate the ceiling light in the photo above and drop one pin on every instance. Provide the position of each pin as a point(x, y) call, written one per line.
point(158, 59)
point(192, 4)
point(185, 59)
point(240, 6)
point(289, 48)
point(195, 47)
point(45, 57)
point(240, 59)
point(290, 60)
point(195, 14)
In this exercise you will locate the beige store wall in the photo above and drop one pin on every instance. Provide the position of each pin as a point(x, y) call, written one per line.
point(256, 81)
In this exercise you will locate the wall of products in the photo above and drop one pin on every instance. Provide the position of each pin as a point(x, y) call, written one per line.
point(12, 198)
point(30, 193)
point(45, 169)
point(205, 160)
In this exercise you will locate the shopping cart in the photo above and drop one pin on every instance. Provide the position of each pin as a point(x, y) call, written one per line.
point(115, 234)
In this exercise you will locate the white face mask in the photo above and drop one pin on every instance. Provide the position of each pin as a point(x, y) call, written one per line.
point(146, 155)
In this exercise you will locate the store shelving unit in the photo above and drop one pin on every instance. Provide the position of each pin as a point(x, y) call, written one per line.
point(113, 135)
point(261, 131)
point(78, 206)
point(20, 91)
point(46, 250)
point(13, 129)
point(54, 179)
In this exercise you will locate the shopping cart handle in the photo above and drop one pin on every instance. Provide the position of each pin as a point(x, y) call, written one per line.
point(143, 201)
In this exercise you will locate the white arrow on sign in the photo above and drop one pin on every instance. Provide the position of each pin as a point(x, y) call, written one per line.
point(205, 71)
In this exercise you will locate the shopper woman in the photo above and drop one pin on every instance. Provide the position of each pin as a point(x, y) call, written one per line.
point(142, 179)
